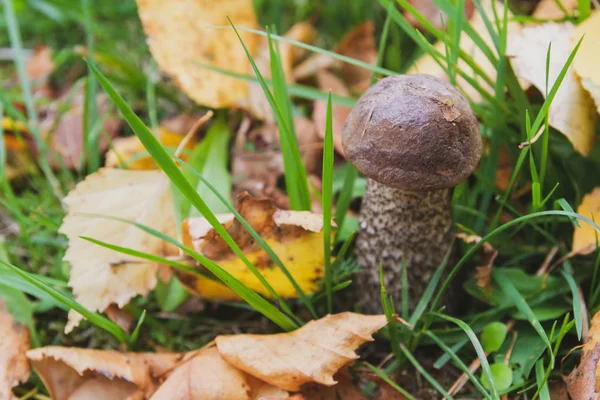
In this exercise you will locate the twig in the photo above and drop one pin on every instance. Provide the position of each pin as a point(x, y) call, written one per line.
point(192, 132)
point(534, 139)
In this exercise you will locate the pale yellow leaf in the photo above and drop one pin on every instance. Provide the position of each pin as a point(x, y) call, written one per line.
point(69, 372)
point(295, 236)
point(178, 35)
point(205, 377)
point(313, 353)
point(587, 61)
point(99, 276)
point(584, 236)
point(14, 342)
point(572, 111)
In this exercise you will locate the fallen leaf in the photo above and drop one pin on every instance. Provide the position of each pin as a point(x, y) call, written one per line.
point(14, 368)
point(359, 44)
point(344, 389)
point(427, 65)
point(558, 390)
point(504, 170)
point(72, 373)
point(584, 381)
point(39, 68)
point(587, 60)
point(549, 9)
point(65, 129)
point(205, 377)
point(572, 111)
point(584, 236)
point(178, 36)
point(328, 81)
point(430, 11)
point(313, 353)
point(256, 103)
point(131, 151)
point(295, 236)
point(100, 276)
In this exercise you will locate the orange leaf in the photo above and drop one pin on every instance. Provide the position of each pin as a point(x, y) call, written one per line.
point(14, 342)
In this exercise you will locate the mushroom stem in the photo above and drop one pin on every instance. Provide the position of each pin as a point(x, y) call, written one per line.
point(398, 225)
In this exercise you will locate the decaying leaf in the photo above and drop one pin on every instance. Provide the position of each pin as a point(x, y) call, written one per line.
point(295, 236)
point(584, 236)
point(14, 342)
point(328, 81)
point(572, 111)
point(313, 353)
point(99, 276)
point(178, 35)
point(429, 10)
point(584, 381)
point(427, 65)
point(359, 44)
point(549, 9)
point(588, 58)
point(72, 373)
point(39, 68)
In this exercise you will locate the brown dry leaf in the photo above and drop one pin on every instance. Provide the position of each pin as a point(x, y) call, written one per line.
point(328, 81)
point(359, 44)
point(178, 36)
point(313, 353)
point(66, 129)
point(256, 103)
point(588, 57)
point(584, 381)
point(505, 170)
point(483, 276)
point(548, 9)
point(295, 236)
point(584, 236)
point(427, 65)
point(39, 68)
point(572, 111)
point(14, 342)
point(99, 276)
point(344, 389)
point(429, 10)
point(72, 373)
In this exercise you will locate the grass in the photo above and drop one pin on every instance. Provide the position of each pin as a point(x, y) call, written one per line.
point(541, 307)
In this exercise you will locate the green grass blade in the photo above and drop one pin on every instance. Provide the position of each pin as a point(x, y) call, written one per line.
point(327, 197)
point(577, 307)
point(485, 365)
point(90, 110)
point(429, 291)
point(383, 41)
point(424, 373)
point(163, 159)
point(136, 332)
point(94, 318)
point(388, 310)
point(345, 197)
point(2, 146)
point(541, 380)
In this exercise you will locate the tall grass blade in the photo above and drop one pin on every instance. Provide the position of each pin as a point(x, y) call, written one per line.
point(327, 194)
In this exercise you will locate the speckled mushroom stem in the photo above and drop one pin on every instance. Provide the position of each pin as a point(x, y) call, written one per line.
point(397, 225)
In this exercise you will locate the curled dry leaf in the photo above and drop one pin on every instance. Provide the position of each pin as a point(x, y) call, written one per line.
point(178, 35)
point(584, 236)
point(295, 236)
point(72, 373)
point(99, 276)
point(313, 353)
point(328, 81)
point(584, 381)
point(588, 58)
point(572, 111)
point(14, 342)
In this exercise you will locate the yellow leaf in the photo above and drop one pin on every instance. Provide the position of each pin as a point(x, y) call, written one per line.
point(178, 35)
point(313, 353)
point(86, 374)
point(584, 236)
point(587, 61)
point(295, 236)
point(131, 151)
point(14, 342)
point(100, 276)
point(572, 110)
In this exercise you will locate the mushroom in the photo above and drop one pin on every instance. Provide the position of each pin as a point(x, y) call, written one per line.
point(414, 137)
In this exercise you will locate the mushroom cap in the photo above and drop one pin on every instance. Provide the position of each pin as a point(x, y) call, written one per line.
point(413, 132)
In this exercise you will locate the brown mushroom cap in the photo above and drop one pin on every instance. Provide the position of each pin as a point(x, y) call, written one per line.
point(413, 132)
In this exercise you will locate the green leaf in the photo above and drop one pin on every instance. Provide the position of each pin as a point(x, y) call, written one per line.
point(501, 374)
point(170, 295)
point(493, 336)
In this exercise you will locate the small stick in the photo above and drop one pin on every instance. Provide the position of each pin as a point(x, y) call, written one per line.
point(192, 132)
point(533, 139)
